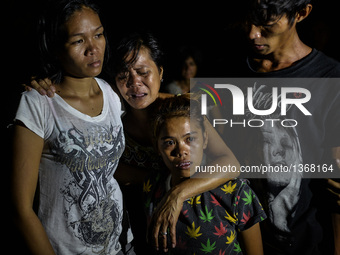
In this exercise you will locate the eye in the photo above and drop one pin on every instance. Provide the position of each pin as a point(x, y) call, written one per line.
point(191, 139)
point(99, 35)
point(268, 25)
point(168, 143)
point(77, 42)
point(143, 73)
point(287, 143)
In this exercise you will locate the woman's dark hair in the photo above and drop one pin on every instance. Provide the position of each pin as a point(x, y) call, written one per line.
point(132, 44)
point(261, 12)
point(175, 107)
point(52, 35)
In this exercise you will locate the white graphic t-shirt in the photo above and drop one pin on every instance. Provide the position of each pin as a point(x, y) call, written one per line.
point(80, 202)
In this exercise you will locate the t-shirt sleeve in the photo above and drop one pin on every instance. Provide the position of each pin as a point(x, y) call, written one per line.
point(30, 112)
point(249, 210)
point(117, 100)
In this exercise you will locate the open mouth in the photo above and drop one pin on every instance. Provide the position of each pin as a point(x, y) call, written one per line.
point(184, 165)
point(138, 95)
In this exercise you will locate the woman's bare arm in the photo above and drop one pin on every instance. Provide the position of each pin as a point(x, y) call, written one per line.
point(252, 240)
point(27, 149)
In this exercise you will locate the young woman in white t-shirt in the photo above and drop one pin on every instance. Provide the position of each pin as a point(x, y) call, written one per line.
point(67, 148)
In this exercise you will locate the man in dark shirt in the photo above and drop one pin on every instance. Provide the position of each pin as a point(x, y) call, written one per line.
point(278, 52)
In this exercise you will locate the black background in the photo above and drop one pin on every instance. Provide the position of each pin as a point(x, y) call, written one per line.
point(204, 26)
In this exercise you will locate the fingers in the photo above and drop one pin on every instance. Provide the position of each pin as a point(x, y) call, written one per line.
point(334, 184)
point(44, 87)
point(164, 222)
point(334, 189)
point(27, 88)
point(173, 235)
point(160, 236)
point(163, 237)
point(35, 85)
point(295, 180)
point(155, 234)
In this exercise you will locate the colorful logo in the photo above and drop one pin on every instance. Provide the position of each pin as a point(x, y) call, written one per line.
point(209, 93)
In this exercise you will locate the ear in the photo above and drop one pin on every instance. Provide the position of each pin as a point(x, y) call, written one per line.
point(205, 140)
point(161, 73)
point(301, 15)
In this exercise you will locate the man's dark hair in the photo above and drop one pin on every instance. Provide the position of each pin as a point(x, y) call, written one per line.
point(261, 12)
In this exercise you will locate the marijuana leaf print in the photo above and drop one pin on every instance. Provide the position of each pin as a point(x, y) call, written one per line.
point(147, 186)
point(207, 216)
point(245, 218)
point(193, 232)
point(214, 201)
point(228, 189)
point(208, 248)
point(230, 218)
point(194, 200)
point(249, 197)
point(231, 238)
point(221, 230)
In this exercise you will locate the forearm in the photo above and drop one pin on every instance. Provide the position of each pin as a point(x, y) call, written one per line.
point(204, 181)
point(195, 186)
point(224, 167)
point(33, 233)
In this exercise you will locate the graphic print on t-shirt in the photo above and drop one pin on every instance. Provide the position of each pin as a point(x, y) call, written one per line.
point(279, 146)
point(91, 156)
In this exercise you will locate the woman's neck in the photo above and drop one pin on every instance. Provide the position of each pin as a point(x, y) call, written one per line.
point(85, 87)
point(84, 95)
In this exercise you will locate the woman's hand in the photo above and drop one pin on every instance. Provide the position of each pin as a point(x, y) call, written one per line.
point(282, 206)
point(165, 217)
point(43, 86)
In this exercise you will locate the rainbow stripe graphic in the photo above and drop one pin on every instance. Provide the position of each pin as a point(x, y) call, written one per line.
point(210, 94)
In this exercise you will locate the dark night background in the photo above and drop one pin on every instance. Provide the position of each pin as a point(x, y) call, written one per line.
point(203, 25)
